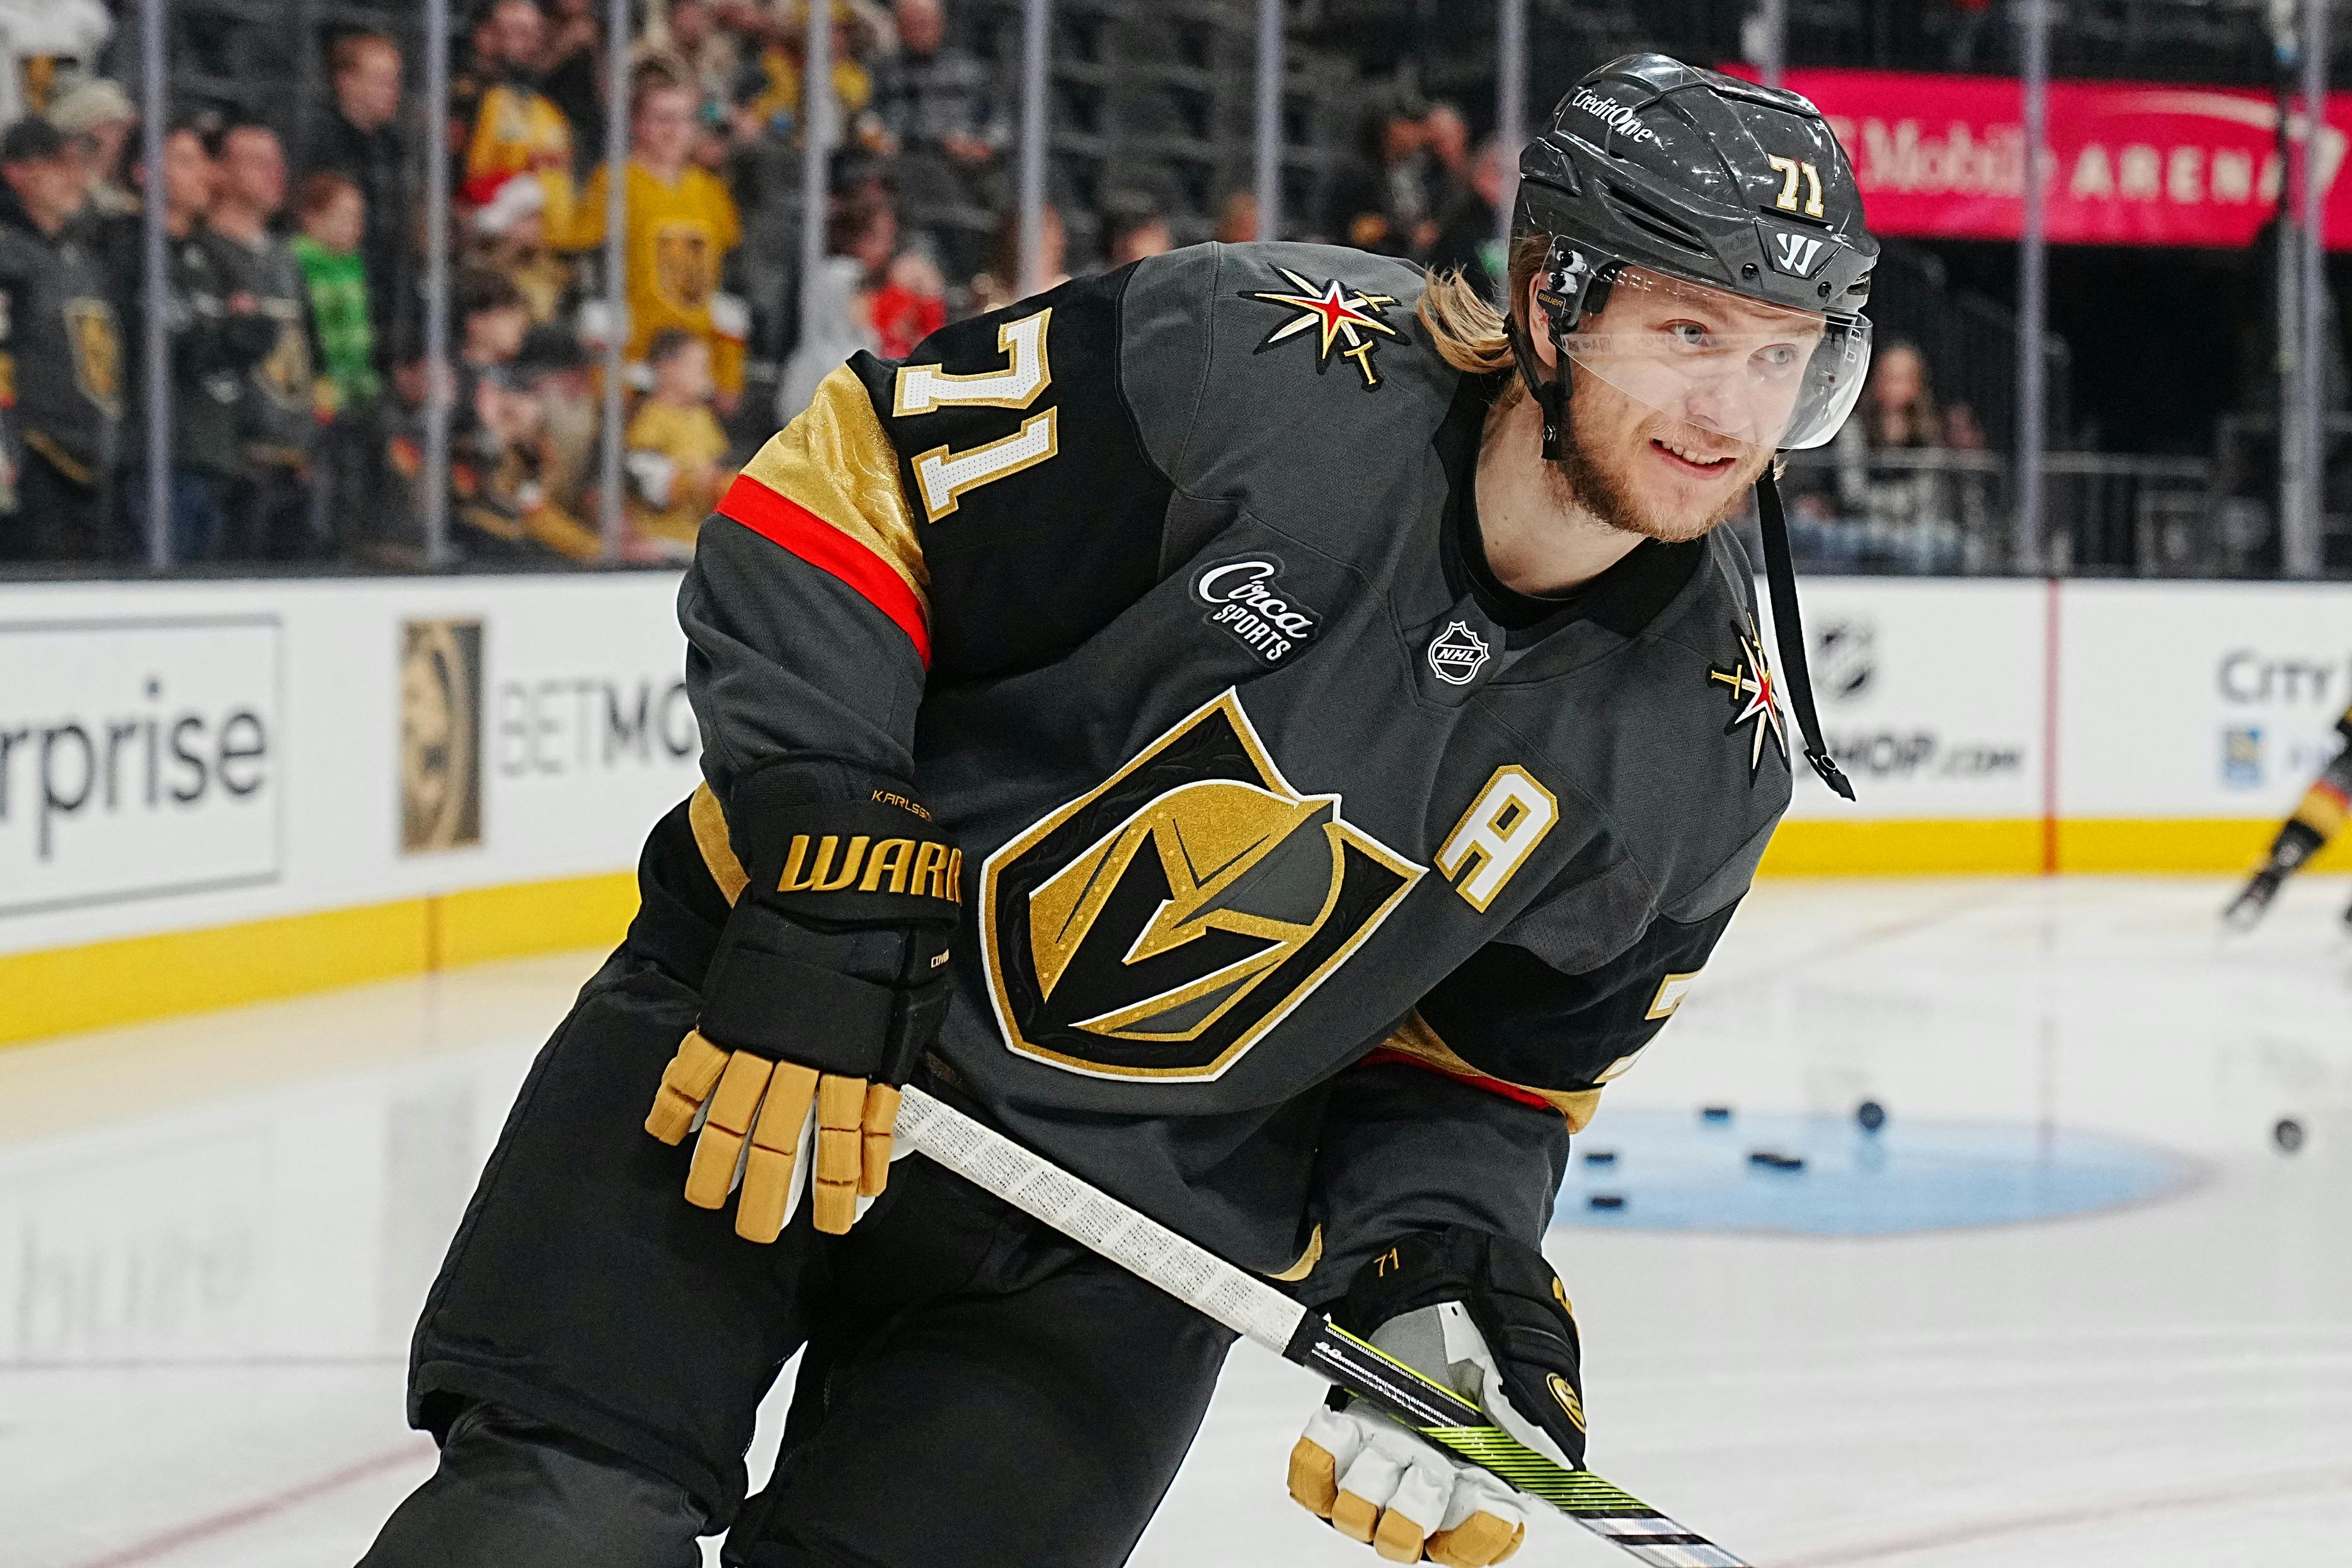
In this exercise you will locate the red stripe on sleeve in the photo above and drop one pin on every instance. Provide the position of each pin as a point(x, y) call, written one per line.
point(786, 522)
point(1383, 1056)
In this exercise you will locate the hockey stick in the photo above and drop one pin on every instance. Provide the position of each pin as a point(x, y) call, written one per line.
point(1256, 1310)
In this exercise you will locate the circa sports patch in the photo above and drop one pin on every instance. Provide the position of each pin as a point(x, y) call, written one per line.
point(1245, 595)
point(1339, 313)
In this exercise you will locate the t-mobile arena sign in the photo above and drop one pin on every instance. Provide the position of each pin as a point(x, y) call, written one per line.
point(2125, 163)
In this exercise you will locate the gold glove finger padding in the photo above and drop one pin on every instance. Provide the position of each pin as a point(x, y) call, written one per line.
point(881, 1118)
point(1478, 1541)
point(725, 1127)
point(766, 1199)
point(1314, 1477)
point(685, 1082)
point(840, 1116)
point(1354, 1517)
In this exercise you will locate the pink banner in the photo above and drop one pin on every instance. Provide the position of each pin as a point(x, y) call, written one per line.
point(2128, 164)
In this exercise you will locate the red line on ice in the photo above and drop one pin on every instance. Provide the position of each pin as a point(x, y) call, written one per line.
point(173, 1539)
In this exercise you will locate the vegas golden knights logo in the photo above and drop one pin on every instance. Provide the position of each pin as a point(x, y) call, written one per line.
point(1158, 926)
point(682, 265)
point(96, 353)
point(440, 735)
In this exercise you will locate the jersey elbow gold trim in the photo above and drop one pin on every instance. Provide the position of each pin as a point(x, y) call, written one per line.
point(1416, 1042)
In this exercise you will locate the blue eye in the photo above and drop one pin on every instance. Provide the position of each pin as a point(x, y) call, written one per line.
point(1691, 335)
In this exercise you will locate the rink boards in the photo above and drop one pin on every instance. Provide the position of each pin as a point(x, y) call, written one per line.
point(212, 793)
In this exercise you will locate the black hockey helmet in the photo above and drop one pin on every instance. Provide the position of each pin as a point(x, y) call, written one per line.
point(1661, 176)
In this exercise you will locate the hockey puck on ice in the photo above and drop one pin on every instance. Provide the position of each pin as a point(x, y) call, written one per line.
point(1714, 1112)
point(1605, 1200)
point(1871, 1114)
point(1771, 1159)
point(1601, 1157)
point(2287, 1134)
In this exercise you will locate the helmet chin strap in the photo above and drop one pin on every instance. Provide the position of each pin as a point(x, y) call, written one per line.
point(1569, 290)
point(1788, 632)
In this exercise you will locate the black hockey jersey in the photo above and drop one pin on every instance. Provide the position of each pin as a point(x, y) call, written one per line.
point(1315, 885)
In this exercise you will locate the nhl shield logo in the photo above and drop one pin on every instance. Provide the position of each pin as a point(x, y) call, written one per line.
point(1161, 924)
point(1457, 654)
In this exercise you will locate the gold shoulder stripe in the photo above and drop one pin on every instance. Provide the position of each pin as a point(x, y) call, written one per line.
point(1416, 1041)
point(710, 825)
point(835, 461)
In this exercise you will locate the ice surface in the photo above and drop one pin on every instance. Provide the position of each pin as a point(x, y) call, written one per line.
point(214, 1232)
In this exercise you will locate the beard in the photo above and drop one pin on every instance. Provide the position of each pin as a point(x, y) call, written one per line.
point(1580, 480)
point(1580, 483)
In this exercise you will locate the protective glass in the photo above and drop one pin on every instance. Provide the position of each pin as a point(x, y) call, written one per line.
point(1756, 374)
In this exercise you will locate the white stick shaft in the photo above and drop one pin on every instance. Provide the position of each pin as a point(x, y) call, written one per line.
point(1097, 1221)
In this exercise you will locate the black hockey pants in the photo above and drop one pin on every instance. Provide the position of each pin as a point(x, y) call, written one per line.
point(975, 1390)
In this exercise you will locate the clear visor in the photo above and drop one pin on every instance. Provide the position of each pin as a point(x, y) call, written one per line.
point(1758, 375)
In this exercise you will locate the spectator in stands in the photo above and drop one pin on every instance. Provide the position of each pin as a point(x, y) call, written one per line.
point(1469, 233)
point(333, 215)
point(492, 317)
point(1133, 228)
point(858, 34)
point(61, 350)
point(497, 500)
point(837, 306)
point(1237, 219)
point(940, 118)
point(1001, 284)
point(682, 224)
point(1381, 201)
point(707, 53)
point(573, 76)
point(510, 239)
point(1898, 502)
point(362, 140)
point(552, 363)
point(909, 305)
point(269, 511)
point(676, 451)
point(345, 477)
point(1446, 137)
point(517, 129)
point(95, 116)
point(217, 335)
point(42, 43)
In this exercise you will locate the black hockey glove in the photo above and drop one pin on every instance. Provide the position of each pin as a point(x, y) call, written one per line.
point(1486, 1315)
point(828, 985)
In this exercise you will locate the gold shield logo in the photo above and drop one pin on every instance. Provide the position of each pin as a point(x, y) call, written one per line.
point(1158, 926)
point(96, 353)
point(440, 735)
point(682, 270)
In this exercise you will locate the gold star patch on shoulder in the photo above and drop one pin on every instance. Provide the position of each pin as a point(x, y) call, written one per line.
point(1341, 314)
point(1754, 698)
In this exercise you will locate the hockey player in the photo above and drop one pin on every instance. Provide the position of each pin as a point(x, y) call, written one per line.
point(2314, 821)
point(1262, 728)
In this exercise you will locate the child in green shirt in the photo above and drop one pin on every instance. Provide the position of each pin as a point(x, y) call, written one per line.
point(333, 216)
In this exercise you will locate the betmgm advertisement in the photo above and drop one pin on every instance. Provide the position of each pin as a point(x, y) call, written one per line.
point(440, 735)
point(177, 757)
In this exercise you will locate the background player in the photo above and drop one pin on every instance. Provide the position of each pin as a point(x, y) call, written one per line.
point(2315, 820)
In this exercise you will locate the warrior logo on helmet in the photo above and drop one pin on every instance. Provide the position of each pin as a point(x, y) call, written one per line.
point(1161, 924)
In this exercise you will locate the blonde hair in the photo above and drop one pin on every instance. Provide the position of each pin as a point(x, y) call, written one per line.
point(1464, 326)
